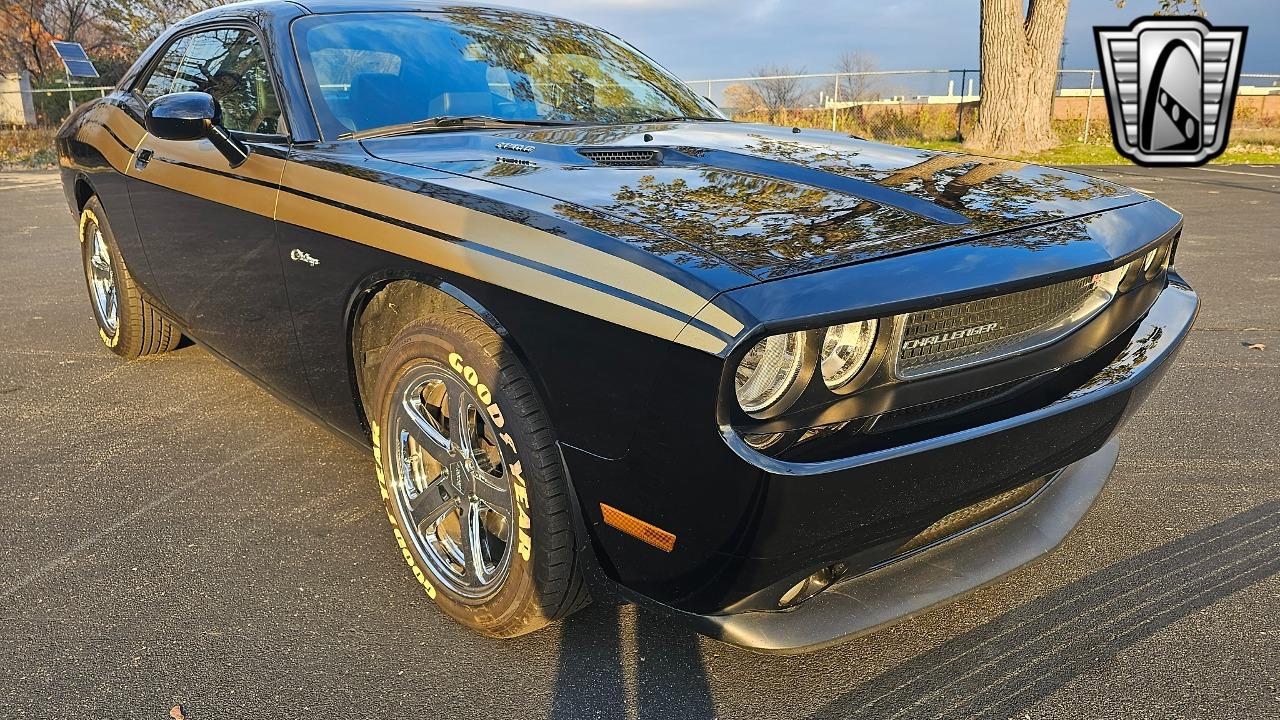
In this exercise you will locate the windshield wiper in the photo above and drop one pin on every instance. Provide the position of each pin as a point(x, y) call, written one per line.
point(680, 118)
point(449, 122)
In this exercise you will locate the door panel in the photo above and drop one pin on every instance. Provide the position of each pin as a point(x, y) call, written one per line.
point(210, 236)
point(208, 230)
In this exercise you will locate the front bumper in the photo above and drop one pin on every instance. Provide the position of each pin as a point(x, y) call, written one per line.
point(861, 604)
point(749, 530)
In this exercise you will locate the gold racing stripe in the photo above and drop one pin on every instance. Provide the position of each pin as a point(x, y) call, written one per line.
point(96, 135)
point(121, 124)
point(510, 237)
point(445, 218)
point(218, 188)
point(325, 218)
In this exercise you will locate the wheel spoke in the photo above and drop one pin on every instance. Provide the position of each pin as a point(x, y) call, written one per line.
point(494, 497)
point(427, 432)
point(431, 505)
point(472, 551)
point(461, 426)
point(111, 306)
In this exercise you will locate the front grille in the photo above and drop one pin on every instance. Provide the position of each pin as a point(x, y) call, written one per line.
point(956, 336)
point(938, 409)
point(622, 158)
point(973, 515)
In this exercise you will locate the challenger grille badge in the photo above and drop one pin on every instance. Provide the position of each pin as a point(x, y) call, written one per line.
point(949, 336)
point(1171, 87)
point(299, 256)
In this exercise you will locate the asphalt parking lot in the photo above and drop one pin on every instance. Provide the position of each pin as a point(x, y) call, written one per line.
point(171, 534)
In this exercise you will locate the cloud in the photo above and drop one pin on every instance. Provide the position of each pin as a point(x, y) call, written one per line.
point(725, 38)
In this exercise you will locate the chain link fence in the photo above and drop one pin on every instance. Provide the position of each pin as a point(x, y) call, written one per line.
point(911, 107)
point(929, 106)
point(24, 106)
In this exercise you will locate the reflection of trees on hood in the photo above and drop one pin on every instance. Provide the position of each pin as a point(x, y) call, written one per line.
point(988, 191)
point(756, 221)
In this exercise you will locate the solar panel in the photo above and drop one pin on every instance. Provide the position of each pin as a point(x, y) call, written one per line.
point(81, 68)
point(70, 51)
point(75, 59)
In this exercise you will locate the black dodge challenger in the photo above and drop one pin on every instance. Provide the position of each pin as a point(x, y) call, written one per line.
point(786, 386)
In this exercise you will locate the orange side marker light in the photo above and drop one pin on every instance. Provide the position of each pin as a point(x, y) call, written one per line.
point(637, 528)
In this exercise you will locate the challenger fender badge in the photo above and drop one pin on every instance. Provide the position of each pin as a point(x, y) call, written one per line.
point(299, 256)
point(1171, 87)
point(949, 336)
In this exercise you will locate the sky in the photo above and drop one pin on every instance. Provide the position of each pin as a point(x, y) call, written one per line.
point(703, 39)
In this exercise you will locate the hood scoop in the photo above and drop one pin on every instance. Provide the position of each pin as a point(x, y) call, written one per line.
point(623, 157)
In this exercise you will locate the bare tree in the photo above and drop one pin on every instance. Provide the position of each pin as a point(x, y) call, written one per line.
point(778, 90)
point(1174, 7)
point(856, 86)
point(24, 39)
point(741, 98)
point(136, 23)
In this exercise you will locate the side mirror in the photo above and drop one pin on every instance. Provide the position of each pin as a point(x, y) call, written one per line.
point(190, 116)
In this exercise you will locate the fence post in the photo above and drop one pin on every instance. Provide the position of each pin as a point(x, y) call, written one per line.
point(835, 99)
point(960, 107)
point(1088, 106)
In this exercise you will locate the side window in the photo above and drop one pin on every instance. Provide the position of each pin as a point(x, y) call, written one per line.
point(336, 71)
point(161, 79)
point(230, 65)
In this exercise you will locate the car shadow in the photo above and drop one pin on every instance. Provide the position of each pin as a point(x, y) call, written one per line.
point(995, 670)
point(669, 679)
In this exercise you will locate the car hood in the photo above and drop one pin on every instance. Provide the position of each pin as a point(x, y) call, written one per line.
point(770, 201)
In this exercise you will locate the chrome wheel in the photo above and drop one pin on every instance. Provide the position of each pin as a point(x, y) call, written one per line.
point(450, 485)
point(102, 283)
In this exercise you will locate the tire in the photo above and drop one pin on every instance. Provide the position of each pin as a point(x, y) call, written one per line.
point(438, 474)
point(127, 324)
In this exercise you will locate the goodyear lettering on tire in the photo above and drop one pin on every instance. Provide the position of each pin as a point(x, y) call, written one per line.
point(87, 216)
point(395, 524)
point(519, 489)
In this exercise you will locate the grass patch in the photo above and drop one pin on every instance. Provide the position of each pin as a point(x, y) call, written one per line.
point(26, 149)
point(1093, 154)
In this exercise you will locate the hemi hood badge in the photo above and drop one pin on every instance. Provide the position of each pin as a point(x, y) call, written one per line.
point(949, 336)
point(514, 147)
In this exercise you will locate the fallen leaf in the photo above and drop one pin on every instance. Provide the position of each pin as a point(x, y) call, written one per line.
point(176, 713)
point(1257, 346)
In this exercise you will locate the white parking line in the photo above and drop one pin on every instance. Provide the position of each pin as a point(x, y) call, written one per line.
point(78, 548)
point(1239, 172)
point(31, 185)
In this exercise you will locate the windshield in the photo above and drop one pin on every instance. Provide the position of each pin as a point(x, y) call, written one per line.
point(370, 70)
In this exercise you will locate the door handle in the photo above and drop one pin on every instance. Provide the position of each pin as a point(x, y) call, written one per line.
point(144, 156)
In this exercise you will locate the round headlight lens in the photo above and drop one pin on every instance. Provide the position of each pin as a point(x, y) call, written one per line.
point(768, 370)
point(845, 350)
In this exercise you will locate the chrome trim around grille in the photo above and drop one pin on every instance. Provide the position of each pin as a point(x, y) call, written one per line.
point(982, 331)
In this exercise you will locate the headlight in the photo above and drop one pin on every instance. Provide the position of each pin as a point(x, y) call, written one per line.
point(768, 370)
point(1151, 258)
point(845, 350)
point(1109, 282)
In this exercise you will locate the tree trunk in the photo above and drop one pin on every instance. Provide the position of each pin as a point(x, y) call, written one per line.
point(1019, 71)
